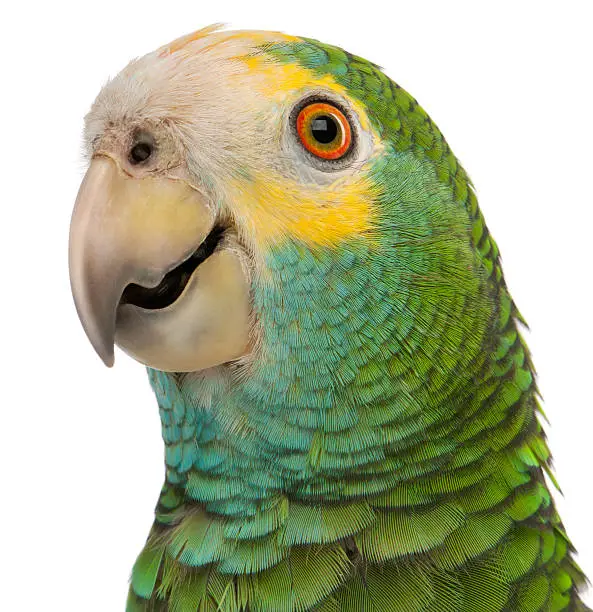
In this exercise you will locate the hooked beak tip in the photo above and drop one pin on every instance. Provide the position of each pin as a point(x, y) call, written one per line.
point(108, 360)
point(103, 345)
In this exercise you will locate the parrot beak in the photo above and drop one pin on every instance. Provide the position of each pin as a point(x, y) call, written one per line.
point(134, 245)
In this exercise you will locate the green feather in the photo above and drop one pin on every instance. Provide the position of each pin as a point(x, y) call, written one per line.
point(144, 573)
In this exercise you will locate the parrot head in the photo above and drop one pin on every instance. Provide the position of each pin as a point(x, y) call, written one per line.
point(198, 168)
point(253, 194)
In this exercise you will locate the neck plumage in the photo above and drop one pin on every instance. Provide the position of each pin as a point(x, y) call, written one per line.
point(389, 375)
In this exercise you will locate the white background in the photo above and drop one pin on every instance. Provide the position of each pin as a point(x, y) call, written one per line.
point(81, 455)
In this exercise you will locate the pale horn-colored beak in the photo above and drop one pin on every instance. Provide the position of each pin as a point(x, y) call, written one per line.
point(127, 230)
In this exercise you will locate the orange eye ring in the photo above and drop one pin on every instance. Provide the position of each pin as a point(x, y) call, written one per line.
point(324, 130)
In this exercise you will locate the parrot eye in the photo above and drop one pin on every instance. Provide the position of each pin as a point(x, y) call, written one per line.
point(140, 152)
point(324, 130)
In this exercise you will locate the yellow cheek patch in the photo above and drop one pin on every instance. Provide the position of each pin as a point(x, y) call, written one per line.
point(272, 208)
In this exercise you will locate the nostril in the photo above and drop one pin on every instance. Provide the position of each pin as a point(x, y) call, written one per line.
point(140, 152)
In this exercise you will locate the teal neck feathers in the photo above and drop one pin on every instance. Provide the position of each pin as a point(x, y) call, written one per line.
point(363, 357)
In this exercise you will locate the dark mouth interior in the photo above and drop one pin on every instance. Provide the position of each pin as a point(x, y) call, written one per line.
point(174, 282)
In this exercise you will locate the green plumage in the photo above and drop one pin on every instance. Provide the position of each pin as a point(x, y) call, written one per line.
point(383, 452)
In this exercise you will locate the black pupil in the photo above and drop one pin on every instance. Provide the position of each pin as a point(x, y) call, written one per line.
point(140, 152)
point(324, 129)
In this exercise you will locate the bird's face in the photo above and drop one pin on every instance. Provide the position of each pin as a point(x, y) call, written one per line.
point(205, 155)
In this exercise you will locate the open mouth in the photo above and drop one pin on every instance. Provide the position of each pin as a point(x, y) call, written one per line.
point(175, 281)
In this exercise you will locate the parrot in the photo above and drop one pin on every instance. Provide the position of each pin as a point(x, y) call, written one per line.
point(283, 237)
